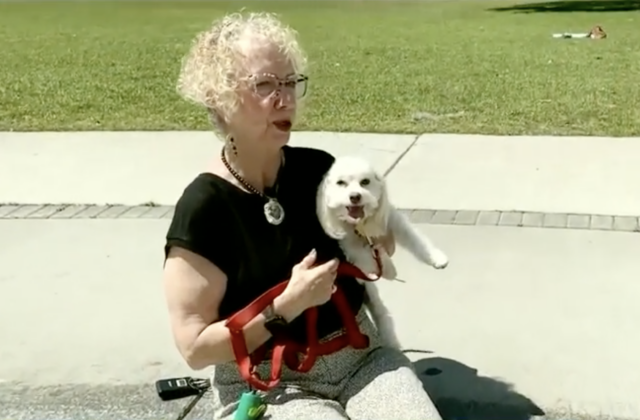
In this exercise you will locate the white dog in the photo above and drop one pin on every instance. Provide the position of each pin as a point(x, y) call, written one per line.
point(353, 207)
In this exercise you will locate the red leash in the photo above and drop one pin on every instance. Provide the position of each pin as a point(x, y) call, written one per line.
point(296, 356)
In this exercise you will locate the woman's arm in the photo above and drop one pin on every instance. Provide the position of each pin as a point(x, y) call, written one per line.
point(194, 288)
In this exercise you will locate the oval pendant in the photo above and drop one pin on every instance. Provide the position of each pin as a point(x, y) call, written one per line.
point(274, 212)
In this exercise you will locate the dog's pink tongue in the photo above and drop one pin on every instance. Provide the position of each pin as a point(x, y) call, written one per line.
point(357, 212)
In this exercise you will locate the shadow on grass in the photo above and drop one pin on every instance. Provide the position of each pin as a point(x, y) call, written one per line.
point(460, 393)
point(573, 6)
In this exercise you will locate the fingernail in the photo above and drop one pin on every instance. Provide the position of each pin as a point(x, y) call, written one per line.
point(312, 253)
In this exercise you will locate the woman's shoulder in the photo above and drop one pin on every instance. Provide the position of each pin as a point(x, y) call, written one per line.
point(202, 205)
point(308, 152)
point(203, 193)
point(204, 200)
point(308, 160)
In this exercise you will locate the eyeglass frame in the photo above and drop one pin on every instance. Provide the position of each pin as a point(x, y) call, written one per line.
point(298, 78)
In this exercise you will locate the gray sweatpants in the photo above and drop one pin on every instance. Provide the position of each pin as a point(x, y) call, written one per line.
point(377, 383)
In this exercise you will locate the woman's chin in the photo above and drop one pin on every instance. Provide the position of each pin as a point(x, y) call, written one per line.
point(280, 137)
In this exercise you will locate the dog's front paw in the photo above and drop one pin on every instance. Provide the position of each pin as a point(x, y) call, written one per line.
point(439, 259)
point(389, 271)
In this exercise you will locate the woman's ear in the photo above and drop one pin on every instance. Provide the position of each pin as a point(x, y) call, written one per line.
point(328, 219)
point(217, 120)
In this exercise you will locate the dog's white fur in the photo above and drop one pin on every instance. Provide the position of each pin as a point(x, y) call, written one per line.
point(350, 177)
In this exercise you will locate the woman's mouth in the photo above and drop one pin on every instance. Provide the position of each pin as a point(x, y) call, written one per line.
point(283, 125)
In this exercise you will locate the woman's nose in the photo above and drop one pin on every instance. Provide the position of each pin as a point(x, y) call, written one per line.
point(284, 99)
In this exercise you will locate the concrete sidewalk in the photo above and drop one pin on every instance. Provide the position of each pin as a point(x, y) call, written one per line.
point(449, 172)
point(524, 321)
point(139, 167)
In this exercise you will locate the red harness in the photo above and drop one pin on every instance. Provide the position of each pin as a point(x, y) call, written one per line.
point(298, 357)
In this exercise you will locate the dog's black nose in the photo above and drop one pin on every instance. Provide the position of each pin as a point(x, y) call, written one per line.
point(355, 198)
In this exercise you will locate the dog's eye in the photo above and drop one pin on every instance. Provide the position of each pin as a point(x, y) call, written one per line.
point(341, 183)
point(365, 182)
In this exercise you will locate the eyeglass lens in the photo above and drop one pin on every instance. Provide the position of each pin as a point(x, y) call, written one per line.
point(267, 85)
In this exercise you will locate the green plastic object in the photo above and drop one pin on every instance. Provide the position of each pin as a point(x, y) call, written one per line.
point(251, 407)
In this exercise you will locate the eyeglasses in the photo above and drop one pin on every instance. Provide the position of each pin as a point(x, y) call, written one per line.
point(266, 85)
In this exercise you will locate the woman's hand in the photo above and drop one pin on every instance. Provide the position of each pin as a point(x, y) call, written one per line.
point(309, 286)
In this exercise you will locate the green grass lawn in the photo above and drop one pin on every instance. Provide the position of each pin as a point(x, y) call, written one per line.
point(375, 66)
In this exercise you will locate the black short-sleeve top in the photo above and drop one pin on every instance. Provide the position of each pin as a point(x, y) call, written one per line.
point(226, 225)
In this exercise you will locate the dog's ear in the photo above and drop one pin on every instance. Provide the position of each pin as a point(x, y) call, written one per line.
point(328, 219)
point(377, 223)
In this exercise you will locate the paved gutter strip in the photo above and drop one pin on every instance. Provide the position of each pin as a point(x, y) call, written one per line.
point(431, 216)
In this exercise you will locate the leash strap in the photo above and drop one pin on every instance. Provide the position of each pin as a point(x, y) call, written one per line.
point(288, 351)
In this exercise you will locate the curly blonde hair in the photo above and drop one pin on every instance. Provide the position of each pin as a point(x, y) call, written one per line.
point(212, 69)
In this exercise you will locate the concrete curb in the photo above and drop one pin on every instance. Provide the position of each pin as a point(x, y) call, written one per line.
point(430, 216)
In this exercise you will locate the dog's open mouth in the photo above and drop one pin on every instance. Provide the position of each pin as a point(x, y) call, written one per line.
point(356, 212)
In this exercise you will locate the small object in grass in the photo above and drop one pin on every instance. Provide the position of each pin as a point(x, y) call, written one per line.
point(595, 33)
point(568, 35)
point(421, 116)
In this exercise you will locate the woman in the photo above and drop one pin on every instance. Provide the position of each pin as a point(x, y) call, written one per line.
point(249, 223)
